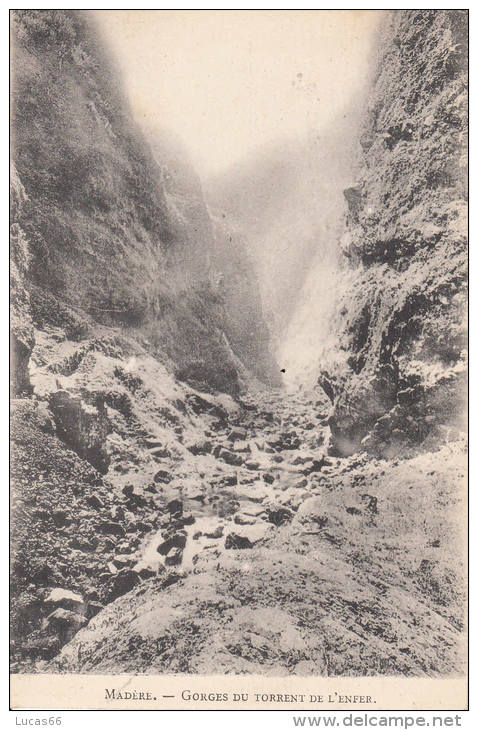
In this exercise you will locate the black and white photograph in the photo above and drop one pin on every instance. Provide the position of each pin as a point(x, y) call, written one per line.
point(238, 357)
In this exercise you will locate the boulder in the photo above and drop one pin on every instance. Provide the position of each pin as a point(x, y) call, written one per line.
point(123, 582)
point(82, 426)
point(175, 508)
point(145, 571)
point(242, 519)
point(246, 537)
point(178, 540)
point(61, 518)
point(95, 502)
point(117, 512)
point(312, 511)
point(312, 466)
point(237, 434)
point(160, 453)
point(137, 498)
point(163, 476)
point(277, 514)
point(216, 533)
point(252, 465)
point(252, 510)
point(63, 598)
point(230, 457)
point(111, 528)
point(65, 624)
point(174, 557)
point(255, 492)
point(123, 561)
point(94, 607)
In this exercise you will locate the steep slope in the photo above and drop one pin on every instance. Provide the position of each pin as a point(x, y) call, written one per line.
point(103, 234)
point(397, 373)
point(158, 527)
point(113, 305)
point(230, 270)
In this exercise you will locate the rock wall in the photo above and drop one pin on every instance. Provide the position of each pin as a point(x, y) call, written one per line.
point(229, 268)
point(397, 374)
point(21, 326)
point(100, 219)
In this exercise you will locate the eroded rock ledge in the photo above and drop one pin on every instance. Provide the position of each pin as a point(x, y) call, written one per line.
point(398, 375)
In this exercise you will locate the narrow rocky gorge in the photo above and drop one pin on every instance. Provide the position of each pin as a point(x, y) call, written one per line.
point(174, 508)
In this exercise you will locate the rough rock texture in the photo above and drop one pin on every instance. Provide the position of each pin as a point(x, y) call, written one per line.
point(230, 270)
point(399, 374)
point(357, 584)
point(161, 528)
point(99, 216)
point(238, 285)
point(21, 326)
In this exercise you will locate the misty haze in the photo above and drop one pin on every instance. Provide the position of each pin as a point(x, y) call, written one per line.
point(238, 327)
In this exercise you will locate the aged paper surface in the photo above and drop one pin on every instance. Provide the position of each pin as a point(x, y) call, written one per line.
point(239, 359)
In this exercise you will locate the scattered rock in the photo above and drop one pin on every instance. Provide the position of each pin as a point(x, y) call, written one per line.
point(246, 537)
point(175, 508)
point(231, 457)
point(111, 528)
point(63, 598)
point(277, 514)
point(163, 476)
point(251, 465)
point(174, 557)
point(94, 607)
point(178, 540)
point(95, 502)
point(64, 624)
point(237, 434)
point(122, 583)
point(312, 511)
point(43, 647)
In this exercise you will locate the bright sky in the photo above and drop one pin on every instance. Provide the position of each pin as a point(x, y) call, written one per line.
point(228, 81)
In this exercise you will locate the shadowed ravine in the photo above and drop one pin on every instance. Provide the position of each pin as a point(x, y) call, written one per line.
point(179, 504)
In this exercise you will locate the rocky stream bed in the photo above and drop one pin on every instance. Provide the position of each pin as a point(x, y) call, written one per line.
point(159, 529)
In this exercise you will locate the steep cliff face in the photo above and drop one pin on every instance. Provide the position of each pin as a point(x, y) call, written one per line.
point(21, 326)
point(159, 529)
point(398, 375)
point(98, 215)
point(229, 268)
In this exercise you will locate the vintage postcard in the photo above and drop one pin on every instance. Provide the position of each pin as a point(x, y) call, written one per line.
point(239, 359)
